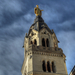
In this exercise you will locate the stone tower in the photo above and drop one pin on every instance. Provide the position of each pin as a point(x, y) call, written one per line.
point(42, 56)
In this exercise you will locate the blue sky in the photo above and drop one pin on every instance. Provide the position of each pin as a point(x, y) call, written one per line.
point(16, 17)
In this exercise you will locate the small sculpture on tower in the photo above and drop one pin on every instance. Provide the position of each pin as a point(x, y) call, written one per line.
point(37, 11)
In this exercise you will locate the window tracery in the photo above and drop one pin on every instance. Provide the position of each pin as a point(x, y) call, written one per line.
point(48, 67)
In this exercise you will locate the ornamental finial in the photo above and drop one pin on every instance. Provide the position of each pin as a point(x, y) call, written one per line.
point(37, 11)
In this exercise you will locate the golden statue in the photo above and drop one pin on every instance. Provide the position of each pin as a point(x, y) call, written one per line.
point(37, 11)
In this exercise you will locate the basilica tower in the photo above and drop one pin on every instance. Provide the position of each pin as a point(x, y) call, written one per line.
point(42, 56)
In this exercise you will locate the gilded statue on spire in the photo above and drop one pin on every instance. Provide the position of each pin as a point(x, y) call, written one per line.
point(37, 11)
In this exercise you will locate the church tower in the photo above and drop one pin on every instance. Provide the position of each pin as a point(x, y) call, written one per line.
point(42, 56)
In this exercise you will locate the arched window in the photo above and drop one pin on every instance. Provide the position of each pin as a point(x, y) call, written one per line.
point(31, 42)
point(47, 42)
point(48, 66)
point(53, 67)
point(35, 42)
point(43, 42)
point(43, 66)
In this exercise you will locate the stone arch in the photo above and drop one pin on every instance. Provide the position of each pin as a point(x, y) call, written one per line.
point(43, 42)
point(43, 66)
point(48, 66)
point(53, 67)
point(47, 42)
point(35, 42)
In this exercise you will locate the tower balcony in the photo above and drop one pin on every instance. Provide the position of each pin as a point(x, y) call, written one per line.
point(44, 49)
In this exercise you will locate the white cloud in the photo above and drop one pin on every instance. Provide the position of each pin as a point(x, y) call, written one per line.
point(10, 5)
point(12, 56)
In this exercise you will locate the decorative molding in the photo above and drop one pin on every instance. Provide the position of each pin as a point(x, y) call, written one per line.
point(43, 53)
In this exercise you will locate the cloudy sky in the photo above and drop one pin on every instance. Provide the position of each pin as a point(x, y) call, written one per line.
point(16, 17)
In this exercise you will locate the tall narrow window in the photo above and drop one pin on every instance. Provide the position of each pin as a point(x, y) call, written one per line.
point(35, 42)
point(48, 66)
point(53, 67)
point(43, 66)
point(31, 42)
point(47, 42)
point(43, 42)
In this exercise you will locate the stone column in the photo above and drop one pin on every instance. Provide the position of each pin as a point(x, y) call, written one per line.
point(51, 67)
point(46, 67)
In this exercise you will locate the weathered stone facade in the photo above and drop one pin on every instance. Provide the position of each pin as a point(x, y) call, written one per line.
point(42, 56)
